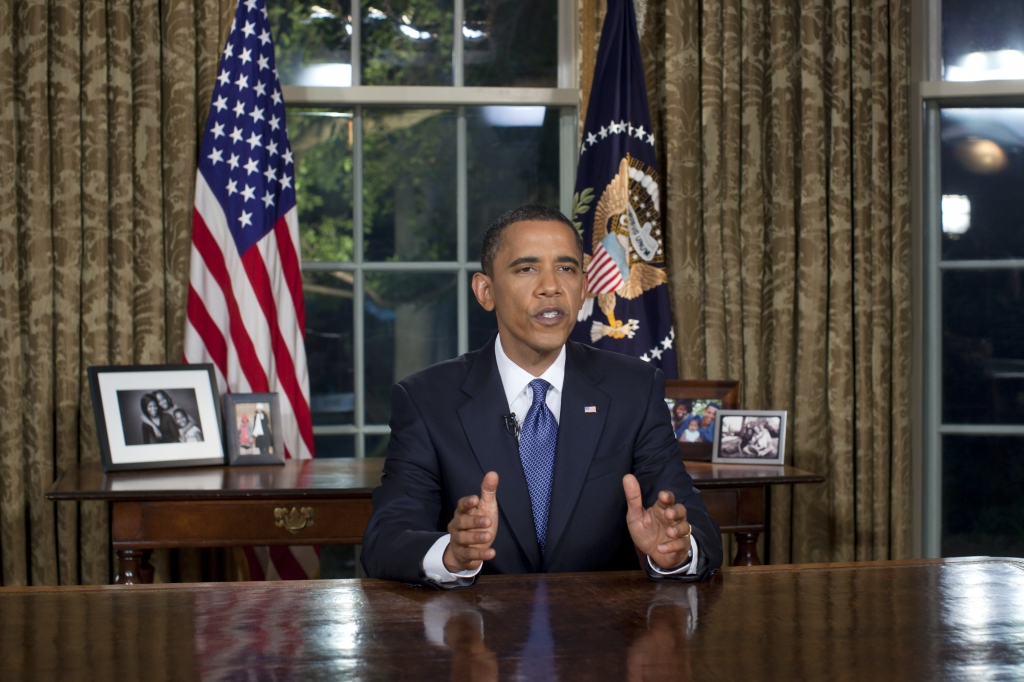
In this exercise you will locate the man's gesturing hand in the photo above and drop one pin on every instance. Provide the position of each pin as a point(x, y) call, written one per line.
point(660, 532)
point(473, 528)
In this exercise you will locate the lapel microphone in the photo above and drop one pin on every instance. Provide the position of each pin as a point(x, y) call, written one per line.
point(511, 424)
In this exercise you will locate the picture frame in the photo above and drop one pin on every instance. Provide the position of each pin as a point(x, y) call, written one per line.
point(750, 437)
point(156, 416)
point(694, 395)
point(252, 427)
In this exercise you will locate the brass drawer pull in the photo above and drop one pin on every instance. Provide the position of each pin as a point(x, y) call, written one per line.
point(294, 520)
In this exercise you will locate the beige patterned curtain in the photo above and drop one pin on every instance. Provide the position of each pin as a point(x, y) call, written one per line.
point(783, 128)
point(101, 106)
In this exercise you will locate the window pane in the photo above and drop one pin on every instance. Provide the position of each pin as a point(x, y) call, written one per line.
point(512, 160)
point(322, 143)
point(377, 446)
point(410, 324)
point(482, 324)
point(329, 346)
point(312, 41)
point(982, 512)
point(982, 177)
point(337, 562)
point(409, 184)
point(511, 43)
point(982, 40)
point(407, 42)
point(983, 347)
point(334, 446)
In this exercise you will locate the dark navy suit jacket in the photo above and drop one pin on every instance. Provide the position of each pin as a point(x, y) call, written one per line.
point(447, 431)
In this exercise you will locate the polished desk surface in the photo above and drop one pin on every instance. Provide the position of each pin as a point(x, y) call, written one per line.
point(333, 478)
point(916, 620)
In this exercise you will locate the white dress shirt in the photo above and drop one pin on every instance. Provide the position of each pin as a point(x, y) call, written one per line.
point(516, 382)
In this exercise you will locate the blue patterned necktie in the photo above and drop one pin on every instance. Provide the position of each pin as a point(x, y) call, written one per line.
point(537, 440)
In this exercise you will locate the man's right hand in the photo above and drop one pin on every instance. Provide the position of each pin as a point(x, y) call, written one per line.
point(473, 528)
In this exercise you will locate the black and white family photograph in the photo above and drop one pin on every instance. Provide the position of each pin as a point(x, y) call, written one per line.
point(751, 437)
point(156, 416)
point(163, 415)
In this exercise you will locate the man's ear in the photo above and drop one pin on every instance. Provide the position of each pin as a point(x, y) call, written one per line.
point(483, 289)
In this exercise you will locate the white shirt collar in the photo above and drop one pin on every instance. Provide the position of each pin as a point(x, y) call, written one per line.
point(515, 379)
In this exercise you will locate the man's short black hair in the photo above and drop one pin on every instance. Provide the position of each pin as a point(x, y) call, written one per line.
point(529, 212)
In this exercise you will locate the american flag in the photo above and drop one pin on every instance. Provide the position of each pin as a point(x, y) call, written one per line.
point(604, 274)
point(245, 309)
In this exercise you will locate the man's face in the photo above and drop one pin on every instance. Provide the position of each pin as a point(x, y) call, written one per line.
point(537, 287)
point(709, 416)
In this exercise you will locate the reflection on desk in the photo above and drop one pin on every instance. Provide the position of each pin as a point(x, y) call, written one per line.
point(921, 620)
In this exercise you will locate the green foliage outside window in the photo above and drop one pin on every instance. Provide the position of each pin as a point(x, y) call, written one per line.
point(392, 57)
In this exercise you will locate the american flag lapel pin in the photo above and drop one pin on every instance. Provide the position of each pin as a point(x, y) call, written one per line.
point(590, 409)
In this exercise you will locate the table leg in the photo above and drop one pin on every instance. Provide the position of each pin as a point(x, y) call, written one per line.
point(746, 550)
point(129, 566)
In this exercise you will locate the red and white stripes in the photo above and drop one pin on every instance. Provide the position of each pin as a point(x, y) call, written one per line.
point(246, 315)
point(603, 275)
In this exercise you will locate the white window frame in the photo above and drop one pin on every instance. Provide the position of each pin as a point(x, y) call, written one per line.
point(456, 96)
point(929, 94)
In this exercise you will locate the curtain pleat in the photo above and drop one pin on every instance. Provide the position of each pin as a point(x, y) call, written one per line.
point(12, 491)
point(95, 318)
point(783, 142)
point(35, 281)
point(101, 104)
point(66, 211)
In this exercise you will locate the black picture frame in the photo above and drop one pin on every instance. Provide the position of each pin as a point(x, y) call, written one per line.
point(233, 402)
point(129, 446)
point(724, 393)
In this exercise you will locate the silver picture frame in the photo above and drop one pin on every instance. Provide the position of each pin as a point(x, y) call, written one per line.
point(750, 437)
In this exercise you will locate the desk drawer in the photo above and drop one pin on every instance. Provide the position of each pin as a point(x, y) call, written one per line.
point(241, 522)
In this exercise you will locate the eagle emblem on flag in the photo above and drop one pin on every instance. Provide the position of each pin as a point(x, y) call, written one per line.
point(626, 245)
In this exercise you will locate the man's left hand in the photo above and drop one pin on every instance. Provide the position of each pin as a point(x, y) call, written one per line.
point(660, 532)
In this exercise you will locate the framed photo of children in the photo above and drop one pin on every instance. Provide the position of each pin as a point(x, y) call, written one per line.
point(253, 425)
point(156, 416)
point(693, 409)
point(750, 437)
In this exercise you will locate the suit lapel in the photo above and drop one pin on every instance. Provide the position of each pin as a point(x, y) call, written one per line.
point(578, 435)
point(497, 450)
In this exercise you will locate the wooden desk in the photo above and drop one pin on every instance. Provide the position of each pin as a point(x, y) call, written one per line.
point(920, 620)
point(238, 506)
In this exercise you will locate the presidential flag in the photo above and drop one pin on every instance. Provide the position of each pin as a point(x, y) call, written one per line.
point(245, 310)
point(616, 206)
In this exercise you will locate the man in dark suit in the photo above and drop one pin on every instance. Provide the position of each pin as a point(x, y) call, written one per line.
point(579, 438)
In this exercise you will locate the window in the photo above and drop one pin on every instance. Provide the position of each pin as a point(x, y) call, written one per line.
point(972, 160)
point(414, 124)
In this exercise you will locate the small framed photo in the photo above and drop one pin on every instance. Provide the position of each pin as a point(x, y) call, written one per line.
point(156, 416)
point(750, 437)
point(253, 426)
point(693, 408)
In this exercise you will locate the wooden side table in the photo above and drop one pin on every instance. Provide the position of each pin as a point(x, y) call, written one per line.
point(307, 502)
point(326, 502)
point(737, 496)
